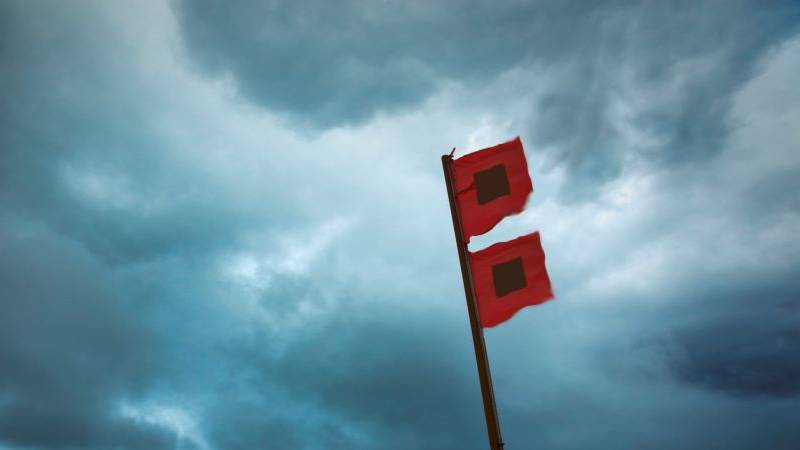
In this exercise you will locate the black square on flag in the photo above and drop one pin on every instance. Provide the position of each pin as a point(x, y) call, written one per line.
point(508, 277)
point(491, 183)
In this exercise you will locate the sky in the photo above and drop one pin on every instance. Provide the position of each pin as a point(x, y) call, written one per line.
point(225, 226)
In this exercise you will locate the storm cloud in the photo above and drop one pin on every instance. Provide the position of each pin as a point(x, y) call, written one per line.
point(225, 227)
point(668, 69)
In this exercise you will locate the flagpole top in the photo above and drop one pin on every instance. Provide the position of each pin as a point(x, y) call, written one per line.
point(452, 152)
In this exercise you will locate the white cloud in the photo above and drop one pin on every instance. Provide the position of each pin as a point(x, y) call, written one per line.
point(175, 419)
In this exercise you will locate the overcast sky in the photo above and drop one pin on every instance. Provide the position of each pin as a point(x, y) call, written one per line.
point(225, 226)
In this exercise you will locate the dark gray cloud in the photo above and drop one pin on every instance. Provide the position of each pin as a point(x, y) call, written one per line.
point(398, 399)
point(334, 64)
point(748, 349)
point(70, 348)
point(180, 270)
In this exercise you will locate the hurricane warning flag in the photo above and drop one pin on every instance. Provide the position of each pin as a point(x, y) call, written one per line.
point(482, 188)
point(509, 276)
point(490, 184)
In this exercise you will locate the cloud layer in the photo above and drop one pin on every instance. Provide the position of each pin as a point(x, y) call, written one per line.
point(666, 71)
point(225, 227)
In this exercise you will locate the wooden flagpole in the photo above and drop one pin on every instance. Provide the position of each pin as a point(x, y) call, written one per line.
point(484, 374)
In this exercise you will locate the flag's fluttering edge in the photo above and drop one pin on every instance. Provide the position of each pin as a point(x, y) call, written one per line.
point(489, 185)
point(509, 276)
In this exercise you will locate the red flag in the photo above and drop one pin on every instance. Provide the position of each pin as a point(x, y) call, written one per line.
point(509, 276)
point(489, 185)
